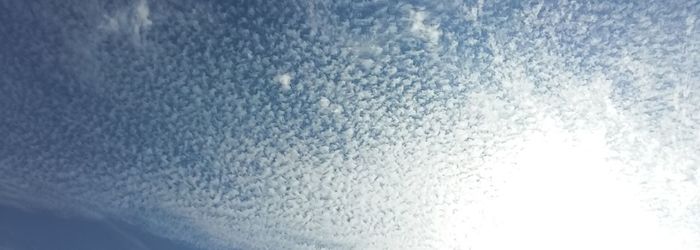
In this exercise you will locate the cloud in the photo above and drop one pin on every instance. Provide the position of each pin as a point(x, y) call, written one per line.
point(429, 32)
point(284, 80)
point(142, 13)
point(132, 20)
point(141, 20)
point(690, 23)
point(383, 144)
point(474, 11)
point(324, 102)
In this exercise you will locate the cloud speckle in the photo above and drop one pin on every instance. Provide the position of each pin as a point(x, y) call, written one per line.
point(430, 32)
point(132, 20)
point(284, 80)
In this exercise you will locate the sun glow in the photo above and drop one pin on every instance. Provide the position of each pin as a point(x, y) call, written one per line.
point(561, 193)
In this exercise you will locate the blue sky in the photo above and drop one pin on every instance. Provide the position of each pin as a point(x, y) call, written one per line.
point(41, 229)
point(350, 125)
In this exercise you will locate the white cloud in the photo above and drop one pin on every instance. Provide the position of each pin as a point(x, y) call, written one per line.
point(141, 13)
point(284, 80)
point(131, 20)
point(471, 13)
point(324, 102)
point(429, 32)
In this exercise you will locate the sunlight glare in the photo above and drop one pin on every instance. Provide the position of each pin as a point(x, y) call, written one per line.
point(561, 193)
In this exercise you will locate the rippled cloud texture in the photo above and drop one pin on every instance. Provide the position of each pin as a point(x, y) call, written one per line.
point(359, 125)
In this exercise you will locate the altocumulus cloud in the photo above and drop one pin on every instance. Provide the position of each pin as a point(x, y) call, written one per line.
point(359, 125)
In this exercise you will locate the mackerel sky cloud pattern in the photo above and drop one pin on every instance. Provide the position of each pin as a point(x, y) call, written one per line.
point(358, 125)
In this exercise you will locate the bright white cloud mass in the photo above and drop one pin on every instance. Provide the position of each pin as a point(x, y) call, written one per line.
point(359, 125)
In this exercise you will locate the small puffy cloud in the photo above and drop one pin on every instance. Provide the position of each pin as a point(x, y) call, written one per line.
point(324, 102)
point(429, 32)
point(141, 19)
point(470, 12)
point(142, 11)
point(284, 80)
point(131, 20)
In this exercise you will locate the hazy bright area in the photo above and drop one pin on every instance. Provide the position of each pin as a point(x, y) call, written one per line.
point(311, 124)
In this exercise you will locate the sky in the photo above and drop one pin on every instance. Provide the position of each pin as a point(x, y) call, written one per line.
point(169, 124)
point(24, 228)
